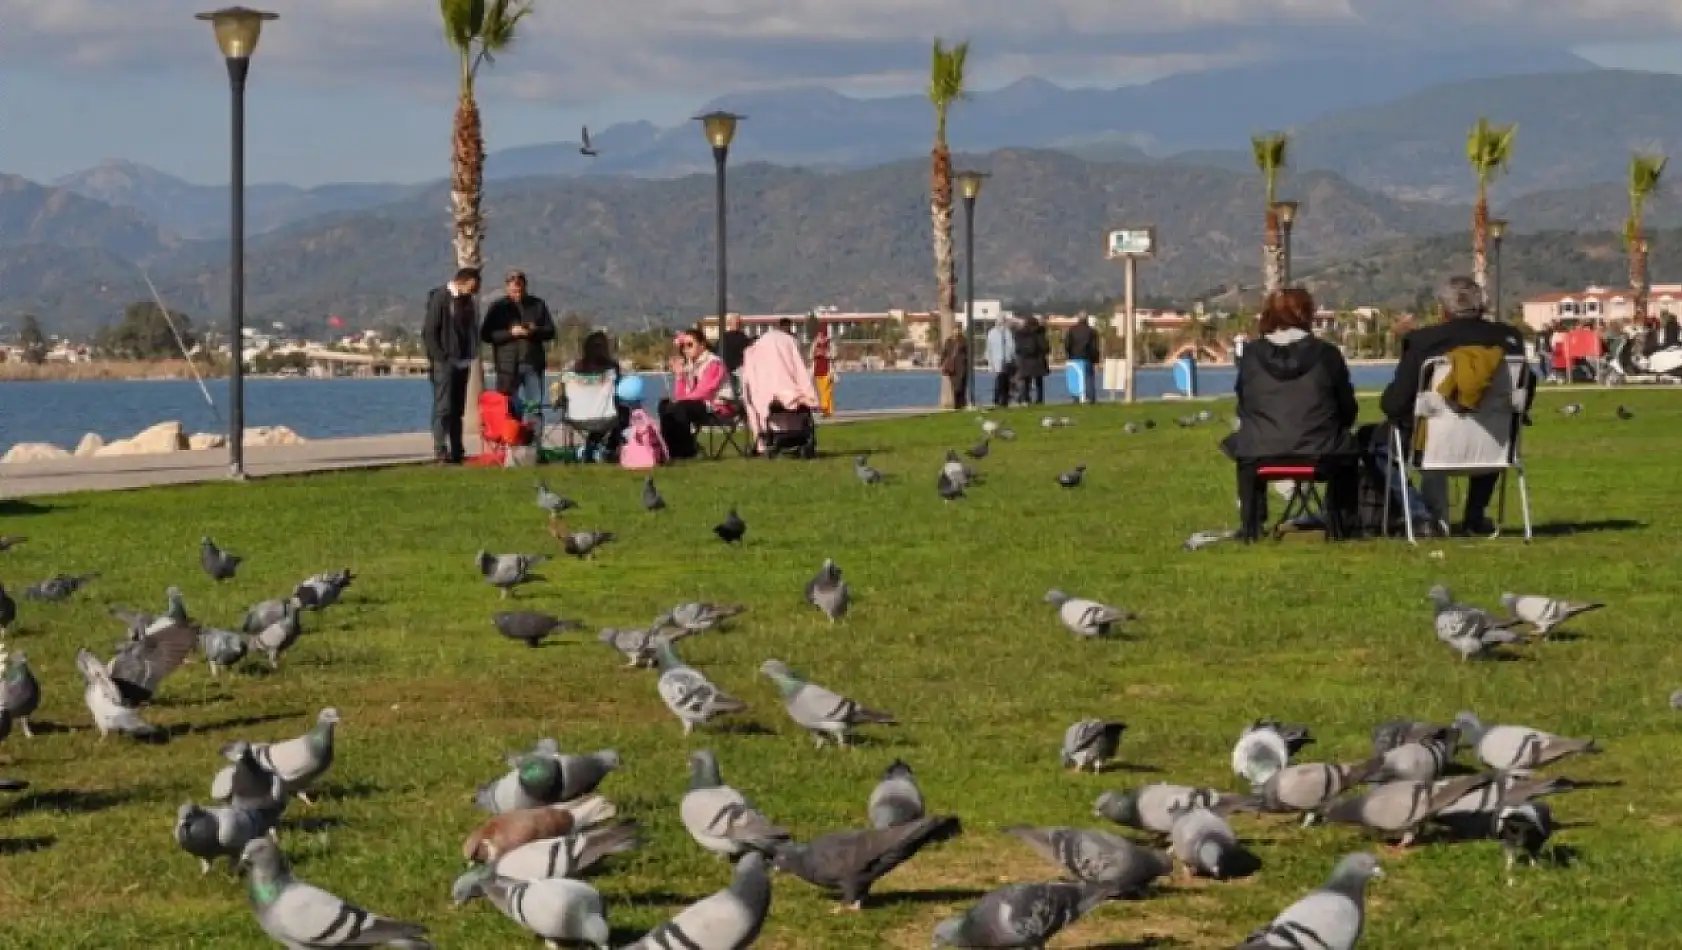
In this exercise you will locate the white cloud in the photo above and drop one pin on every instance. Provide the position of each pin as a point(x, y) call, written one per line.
point(586, 50)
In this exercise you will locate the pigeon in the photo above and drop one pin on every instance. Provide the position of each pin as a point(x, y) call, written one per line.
point(1625, 414)
point(1021, 915)
point(828, 592)
point(579, 544)
point(1204, 539)
point(865, 472)
point(1311, 786)
point(1422, 760)
point(554, 908)
point(1400, 807)
point(726, 920)
point(507, 571)
point(58, 587)
point(116, 690)
point(989, 426)
point(956, 471)
point(1006, 434)
point(551, 502)
point(1330, 918)
point(819, 711)
point(570, 855)
point(1097, 857)
point(246, 785)
point(1571, 409)
point(585, 147)
point(1265, 747)
point(8, 611)
point(1518, 748)
point(1091, 742)
point(1086, 618)
point(638, 646)
point(297, 763)
point(219, 564)
point(502, 833)
point(896, 799)
point(278, 637)
point(222, 649)
point(1522, 831)
point(699, 617)
point(1072, 478)
point(20, 694)
point(1544, 614)
point(1399, 732)
point(530, 627)
point(978, 451)
point(323, 590)
point(949, 490)
point(652, 500)
point(1204, 415)
point(1186, 422)
point(1150, 424)
point(1151, 808)
point(9, 541)
point(141, 623)
point(1507, 788)
point(849, 862)
point(304, 917)
point(721, 819)
point(219, 832)
point(1205, 844)
point(731, 529)
point(1130, 428)
point(268, 613)
point(688, 693)
point(545, 776)
point(1469, 631)
point(1048, 423)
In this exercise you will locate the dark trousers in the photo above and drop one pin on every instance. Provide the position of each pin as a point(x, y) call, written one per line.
point(1033, 390)
point(1433, 487)
point(1091, 389)
point(678, 422)
point(1002, 385)
point(449, 401)
point(1342, 476)
point(960, 391)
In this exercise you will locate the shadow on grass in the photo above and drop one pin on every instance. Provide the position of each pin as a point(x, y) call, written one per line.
point(46, 727)
point(23, 506)
point(71, 800)
point(1149, 943)
point(346, 791)
point(1130, 768)
point(665, 898)
point(238, 722)
point(740, 728)
point(1555, 529)
point(1562, 856)
point(314, 825)
point(932, 895)
point(10, 846)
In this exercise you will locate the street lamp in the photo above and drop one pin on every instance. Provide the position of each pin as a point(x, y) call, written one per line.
point(237, 30)
point(969, 185)
point(1496, 228)
point(720, 129)
point(1287, 211)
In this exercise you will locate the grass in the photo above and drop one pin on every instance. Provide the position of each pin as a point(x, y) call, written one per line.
point(948, 630)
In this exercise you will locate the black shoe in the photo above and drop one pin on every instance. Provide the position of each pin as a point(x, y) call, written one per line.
point(1480, 528)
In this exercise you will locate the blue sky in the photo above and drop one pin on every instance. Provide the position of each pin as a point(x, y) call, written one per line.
point(360, 90)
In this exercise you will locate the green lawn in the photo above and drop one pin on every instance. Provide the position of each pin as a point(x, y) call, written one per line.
point(948, 631)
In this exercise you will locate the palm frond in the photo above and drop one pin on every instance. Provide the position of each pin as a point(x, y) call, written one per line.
point(947, 65)
point(462, 20)
point(500, 28)
point(1271, 151)
point(1645, 171)
point(1489, 148)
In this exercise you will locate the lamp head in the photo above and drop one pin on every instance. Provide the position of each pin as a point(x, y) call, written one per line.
point(720, 127)
point(1496, 229)
point(237, 29)
point(1287, 211)
point(969, 183)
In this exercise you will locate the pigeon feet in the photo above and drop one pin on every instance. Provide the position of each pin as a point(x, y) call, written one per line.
point(305, 799)
point(204, 866)
point(27, 732)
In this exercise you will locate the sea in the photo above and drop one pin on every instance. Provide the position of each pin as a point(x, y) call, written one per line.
point(61, 412)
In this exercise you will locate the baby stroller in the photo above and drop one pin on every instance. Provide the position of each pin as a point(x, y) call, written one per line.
point(789, 432)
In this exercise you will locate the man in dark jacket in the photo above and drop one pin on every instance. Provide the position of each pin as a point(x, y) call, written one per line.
point(1033, 360)
point(517, 327)
point(1081, 343)
point(1463, 325)
point(733, 344)
point(451, 346)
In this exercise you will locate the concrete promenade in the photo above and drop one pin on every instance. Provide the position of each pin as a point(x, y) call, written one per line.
point(117, 473)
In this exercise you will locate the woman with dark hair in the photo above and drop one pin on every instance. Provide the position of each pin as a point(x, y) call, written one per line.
point(1033, 360)
point(700, 389)
point(1296, 406)
point(603, 417)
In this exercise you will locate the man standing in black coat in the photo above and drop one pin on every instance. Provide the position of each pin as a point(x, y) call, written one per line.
point(451, 346)
point(1081, 343)
point(1463, 325)
point(517, 327)
point(733, 344)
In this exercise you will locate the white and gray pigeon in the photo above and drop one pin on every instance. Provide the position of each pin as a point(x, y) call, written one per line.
point(546, 776)
point(866, 472)
point(1420, 761)
point(58, 587)
point(828, 592)
point(1399, 808)
point(20, 692)
point(948, 489)
point(1020, 915)
point(246, 785)
point(1097, 857)
point(1205, 844)
point(1091, 743)
point(1073, 477)
point(1571, 409)
point(819, 711)
point(652, 500)
point(219, 831)
point(698, 616)
point(687, 692)
point(222, 649)
point(1545, 614)
point(1330, 918)
point(1086, 618)
point(1469, 631)
point(506, 571)
point(896, 799)
point(1523, 830)
point(638, 646)
point(298, 763)
point(268, 613)
point(1519, 748)
point(323, 590)
point(551, 502)
point(1308, 787)
point(1152, 807)
point(557, 909)
point(1266, 746)
point(570, 855)
point(720, 818)
point(581, 544)
point(726, 920)
point(301, 916)
point(219, 564)
point(115, 691)
point(280, 636)
point(956, 472)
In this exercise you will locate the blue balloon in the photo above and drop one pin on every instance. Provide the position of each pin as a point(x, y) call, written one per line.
point(630, 389)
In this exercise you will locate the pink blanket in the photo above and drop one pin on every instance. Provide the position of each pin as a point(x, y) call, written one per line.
point(774, 370)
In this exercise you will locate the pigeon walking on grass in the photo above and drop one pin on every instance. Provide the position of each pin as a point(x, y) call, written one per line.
point(979, 450)
point(896, 799)
point(1523, 830)
point(697, 616)
point(9, 541)
point(298, 763)
point(652, 500)
point(1311, 786)
point(1205, 844)
point(1391, 733)
point(1469, 631)
point(222, 649)
point(302, 916)
point(731, 529)
point(1086, 618)
point(219, 832)
point(20, 693)
point(818, 710)
point(1625, 414)
point(1265, 747)
point(865, 472)
point(847, 863)
point(1021, 915)
point(720, 818)
point(280, 636)
point(58, 587)
point(556, 909)
point(323, 590)
point(638, 646)
point(1544, 614)
point(687, 692)
point(1072, 477)
point(267, 613)
point(1330, 918)
point(507, 571)
point(570, 855)
point(1399, 808)
point(1519, 748)
point(530, 627)
point(219, 564)
point(828, 592)
point(1091, 743)
point(545, 776)
point(948, 489)
point(727, 920)
point(1097, 857)
point(1571, 409)
point(1152, 807)
point(579, 544)
point(552, 503)
point(956, 471)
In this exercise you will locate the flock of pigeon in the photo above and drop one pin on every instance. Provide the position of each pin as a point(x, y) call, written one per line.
point(548, 826)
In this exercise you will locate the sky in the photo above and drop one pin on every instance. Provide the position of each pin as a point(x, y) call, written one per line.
point(362, 90)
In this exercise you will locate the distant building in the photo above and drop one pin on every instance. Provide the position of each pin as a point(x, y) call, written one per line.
point(1600, 305)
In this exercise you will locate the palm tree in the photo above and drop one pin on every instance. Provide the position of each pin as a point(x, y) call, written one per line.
point(1644, 174)
point(946, 86)
point(1270, 151)
point(1489, 148)
point(478, 30)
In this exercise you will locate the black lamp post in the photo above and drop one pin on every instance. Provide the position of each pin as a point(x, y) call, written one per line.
point(1496, 229)
point(720, 128)
point(969, 185)
point(237, 30)
point(1287, 211)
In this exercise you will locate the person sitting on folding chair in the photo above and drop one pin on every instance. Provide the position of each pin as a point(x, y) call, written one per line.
point(1296, 406)
point(700, 390)
point(1463, 328)
point(589, 391)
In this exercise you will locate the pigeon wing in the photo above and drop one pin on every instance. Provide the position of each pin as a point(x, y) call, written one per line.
point(306, 915)
point(141, 666)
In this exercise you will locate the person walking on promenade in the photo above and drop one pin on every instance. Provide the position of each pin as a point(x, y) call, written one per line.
point(823, 371)
point(451, 346)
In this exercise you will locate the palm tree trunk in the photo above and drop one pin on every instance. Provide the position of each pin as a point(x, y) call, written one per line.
point(1637, 271)
point(1273, 252)
point(467, 180)
point(945, 267)
point(1480, 241)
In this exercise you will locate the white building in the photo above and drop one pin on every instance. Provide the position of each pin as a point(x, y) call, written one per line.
point(1600, 305)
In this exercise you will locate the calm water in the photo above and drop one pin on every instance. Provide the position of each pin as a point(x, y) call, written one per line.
point(61, 412)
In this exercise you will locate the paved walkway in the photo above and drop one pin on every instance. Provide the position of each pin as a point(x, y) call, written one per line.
point(116, 473)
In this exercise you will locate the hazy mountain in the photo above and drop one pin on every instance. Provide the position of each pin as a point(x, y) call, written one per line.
point(32, 214)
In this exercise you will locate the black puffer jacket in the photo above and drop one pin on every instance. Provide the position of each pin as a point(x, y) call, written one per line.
point(1295, 399)
point(1033, 355)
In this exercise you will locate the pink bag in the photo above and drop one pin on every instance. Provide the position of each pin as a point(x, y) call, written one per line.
point(644, 446)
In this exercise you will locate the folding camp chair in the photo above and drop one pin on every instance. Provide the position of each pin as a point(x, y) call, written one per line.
point(722, 431)
point(588, 409)
point(1453, 443)
point(1305, 499)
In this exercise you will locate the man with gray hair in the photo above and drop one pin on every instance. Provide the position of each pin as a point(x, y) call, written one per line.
point(1463, 325)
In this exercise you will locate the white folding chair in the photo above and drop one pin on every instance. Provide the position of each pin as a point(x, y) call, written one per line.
point(587, 405)
point(1459, 444)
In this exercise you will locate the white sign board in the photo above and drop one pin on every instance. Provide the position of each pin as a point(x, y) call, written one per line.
point(1132, 242)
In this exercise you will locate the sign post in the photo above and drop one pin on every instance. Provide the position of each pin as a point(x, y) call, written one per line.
point(1130, 244)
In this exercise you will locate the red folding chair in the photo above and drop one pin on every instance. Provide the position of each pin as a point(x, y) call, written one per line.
point(499, 430)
